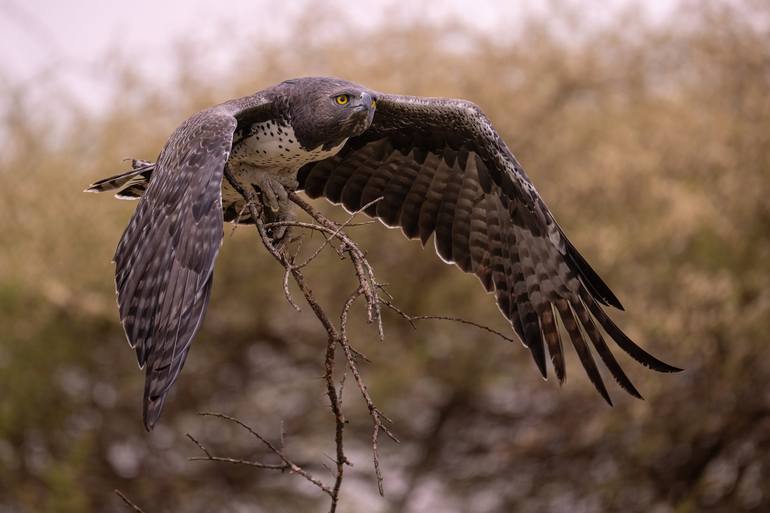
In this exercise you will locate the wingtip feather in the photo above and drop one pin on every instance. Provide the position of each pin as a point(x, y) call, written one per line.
point(604, 351)
point(591, 279)
point(151, 416)
point(622, 340)
point(582, 349)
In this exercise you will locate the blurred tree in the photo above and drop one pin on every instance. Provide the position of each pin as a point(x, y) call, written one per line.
point(651, 144)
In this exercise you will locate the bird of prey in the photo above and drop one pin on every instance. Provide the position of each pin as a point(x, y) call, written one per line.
point(440, 169)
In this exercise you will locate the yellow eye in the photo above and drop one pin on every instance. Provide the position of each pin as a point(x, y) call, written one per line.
point(342, 99)
point(374, 103)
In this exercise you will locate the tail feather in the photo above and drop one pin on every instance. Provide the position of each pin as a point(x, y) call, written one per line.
point(134, 188)
point(129, 185)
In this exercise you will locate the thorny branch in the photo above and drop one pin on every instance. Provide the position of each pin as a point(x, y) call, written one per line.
point(337, 336)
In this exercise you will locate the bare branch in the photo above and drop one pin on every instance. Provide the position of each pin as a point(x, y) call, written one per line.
point(464, 321)
point(128, 501)
point(369, 288)
point(328, 239)
point(209, 457)
point(288, 464)
point(364, 270)
point(412, 318)
point(339, 420)
point(377, 416)
point(200, 445)
point(286, 291)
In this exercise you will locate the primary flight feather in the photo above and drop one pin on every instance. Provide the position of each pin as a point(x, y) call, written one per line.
point(437, 164)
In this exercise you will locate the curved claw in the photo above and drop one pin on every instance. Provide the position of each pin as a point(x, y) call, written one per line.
point(276, 199)
point(280, 235)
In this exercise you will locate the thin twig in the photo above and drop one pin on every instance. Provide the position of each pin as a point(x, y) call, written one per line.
point(200, 445)
point(339, 420)
point(464, 321)
point(128, 501)
point(412, 318)
point(237, 221)
point(377, 416)
point(364, 270)
point(328, 239)
point(288, 464)
point(286, 291)
point(209, 457)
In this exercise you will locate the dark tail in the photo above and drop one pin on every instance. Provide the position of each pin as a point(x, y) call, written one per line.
point(128, 185)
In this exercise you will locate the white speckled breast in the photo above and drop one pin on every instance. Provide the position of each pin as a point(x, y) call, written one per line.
point(273, 145)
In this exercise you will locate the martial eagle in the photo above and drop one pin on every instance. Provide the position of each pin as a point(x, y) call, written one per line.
point(440, 169)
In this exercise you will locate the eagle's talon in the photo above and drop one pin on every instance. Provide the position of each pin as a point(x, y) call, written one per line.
point(137, 163)
point(274, 194)
point(279, 237)
point(276, 199)
point(278, 212)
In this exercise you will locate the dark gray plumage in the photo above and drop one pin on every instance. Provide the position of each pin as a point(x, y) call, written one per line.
point(440, 168)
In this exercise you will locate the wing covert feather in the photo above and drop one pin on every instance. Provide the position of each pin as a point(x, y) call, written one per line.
point(443, 171)
point(165, 258)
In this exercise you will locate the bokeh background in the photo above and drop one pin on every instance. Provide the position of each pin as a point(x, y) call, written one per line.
point(646, 127)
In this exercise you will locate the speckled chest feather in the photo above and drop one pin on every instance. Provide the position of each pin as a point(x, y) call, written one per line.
point(273, 146)
point(270, 147)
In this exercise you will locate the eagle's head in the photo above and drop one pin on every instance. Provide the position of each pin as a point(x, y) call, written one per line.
point(326, 111)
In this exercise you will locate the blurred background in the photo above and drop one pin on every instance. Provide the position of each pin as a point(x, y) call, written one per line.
point(645, 126)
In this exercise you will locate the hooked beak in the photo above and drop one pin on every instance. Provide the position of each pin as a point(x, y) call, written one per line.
point(369, 104)
point(364, 102)
point(368, 100)
point(362, 115)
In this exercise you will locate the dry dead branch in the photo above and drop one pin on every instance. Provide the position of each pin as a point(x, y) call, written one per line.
point(337, 336)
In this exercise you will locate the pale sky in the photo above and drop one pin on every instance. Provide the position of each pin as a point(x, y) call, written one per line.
point(60, 45)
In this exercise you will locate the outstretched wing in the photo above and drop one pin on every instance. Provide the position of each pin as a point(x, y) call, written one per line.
point(441, 168)
point(165, 258)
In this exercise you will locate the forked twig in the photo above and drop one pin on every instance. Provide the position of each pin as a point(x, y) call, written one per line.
point(336, 335)
point(288, 464)
point(364, 270)
point(209, 457)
